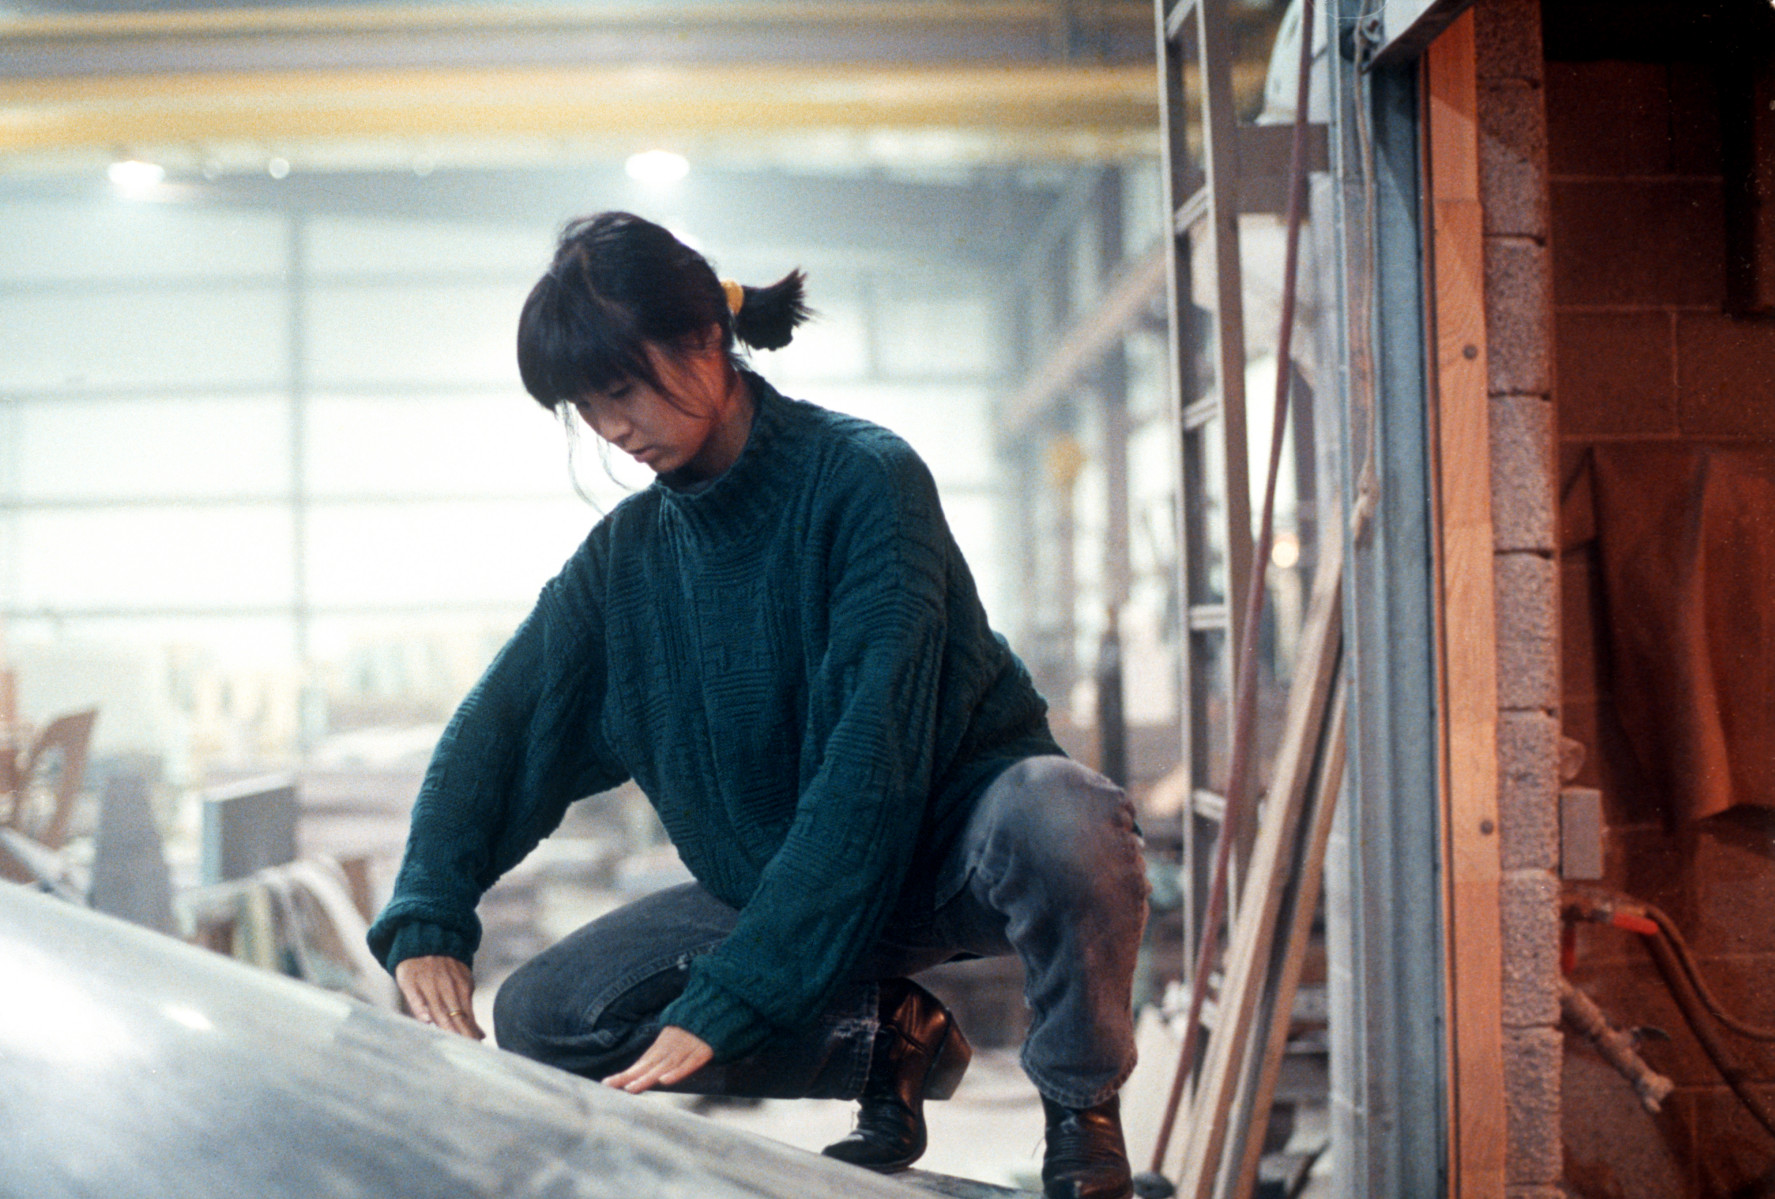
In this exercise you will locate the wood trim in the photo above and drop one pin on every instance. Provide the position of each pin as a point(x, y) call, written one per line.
point(1302, 906)
point(1197, 1159)
point(1467, 625)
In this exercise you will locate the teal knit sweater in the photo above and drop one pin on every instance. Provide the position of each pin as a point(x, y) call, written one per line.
point(793, 665)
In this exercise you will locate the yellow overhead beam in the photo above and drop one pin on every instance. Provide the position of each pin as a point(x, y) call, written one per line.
point(696, 17)
point(640, 101)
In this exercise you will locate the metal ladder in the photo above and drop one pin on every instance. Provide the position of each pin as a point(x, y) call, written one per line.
point(1215, 169)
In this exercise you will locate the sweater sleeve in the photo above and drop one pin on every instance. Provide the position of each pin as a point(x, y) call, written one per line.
point(522, 746)
point(826, 894)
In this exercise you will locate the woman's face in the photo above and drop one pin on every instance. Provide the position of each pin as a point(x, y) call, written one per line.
point(665, 434)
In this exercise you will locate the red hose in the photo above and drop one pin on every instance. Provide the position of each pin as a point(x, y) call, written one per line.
point(1701, 1009)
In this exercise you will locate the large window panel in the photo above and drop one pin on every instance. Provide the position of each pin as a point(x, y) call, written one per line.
point(833, 345)
point(1152, 502)
point(354, 246)
point(949, 425)
point(12, 450)
point(87, 449)
point(10, 563)
point(110, 238)
point(429, 659)
point(1149, 369)
point(972, 522)
point(498, 443)
point(443, 553)
point(937, 335)
point(108, 341)
point(157, 685)
point(458, 335)
point(154, 557)
point(1143, 208)
point(64, 661)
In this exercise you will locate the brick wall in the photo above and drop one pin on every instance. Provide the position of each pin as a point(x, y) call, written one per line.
point(1645, 352)
point(1519, 347)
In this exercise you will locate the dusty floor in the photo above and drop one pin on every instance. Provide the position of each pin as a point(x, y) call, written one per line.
point(991, 1130)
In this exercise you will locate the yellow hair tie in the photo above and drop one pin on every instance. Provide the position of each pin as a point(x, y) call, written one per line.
point(736, 296)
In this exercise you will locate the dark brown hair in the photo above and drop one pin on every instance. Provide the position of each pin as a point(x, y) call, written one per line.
point(619, 282)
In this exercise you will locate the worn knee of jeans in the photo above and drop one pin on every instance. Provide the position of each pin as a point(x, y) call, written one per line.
point(1075, 831)
point(1063, 862)
point(520, 1013)
point(536, 1017)
point(533, 1014)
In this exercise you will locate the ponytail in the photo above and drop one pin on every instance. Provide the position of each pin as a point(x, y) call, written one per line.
point(767, 316)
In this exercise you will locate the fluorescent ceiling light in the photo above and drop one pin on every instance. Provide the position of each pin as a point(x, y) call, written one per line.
point(133, 176)
point(657, 167)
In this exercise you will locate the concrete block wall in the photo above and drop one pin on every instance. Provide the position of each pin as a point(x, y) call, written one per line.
point(1645, 352)
point(1520, 357)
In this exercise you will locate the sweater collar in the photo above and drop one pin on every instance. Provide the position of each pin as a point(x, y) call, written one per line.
point(748, 494)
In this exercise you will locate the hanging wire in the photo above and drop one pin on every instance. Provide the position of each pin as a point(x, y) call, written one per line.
point(1362, 370)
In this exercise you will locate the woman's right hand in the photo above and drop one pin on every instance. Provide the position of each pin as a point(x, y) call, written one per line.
point(440, 990)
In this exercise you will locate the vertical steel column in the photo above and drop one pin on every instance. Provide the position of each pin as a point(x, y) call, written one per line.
point(11, 518)
point(1112, 723)
point(1062, 461)
point(1113, 383)
point(309, 713)
point(1383, 889)
point(1020, 483)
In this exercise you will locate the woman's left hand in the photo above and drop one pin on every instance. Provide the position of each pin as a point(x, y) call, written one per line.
point(673, 1057)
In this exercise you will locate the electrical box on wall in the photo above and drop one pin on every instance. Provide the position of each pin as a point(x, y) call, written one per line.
point(1580, 833)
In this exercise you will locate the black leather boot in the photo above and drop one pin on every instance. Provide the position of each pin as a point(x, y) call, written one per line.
point(919, 1053)
point(1086, 1157)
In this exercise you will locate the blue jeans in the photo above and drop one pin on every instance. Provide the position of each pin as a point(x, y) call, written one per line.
point(1049, 868)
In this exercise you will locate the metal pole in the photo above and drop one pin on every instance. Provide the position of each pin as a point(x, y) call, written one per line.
point(1112, 724)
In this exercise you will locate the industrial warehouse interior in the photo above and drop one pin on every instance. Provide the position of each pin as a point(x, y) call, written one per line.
point(1357, 415)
